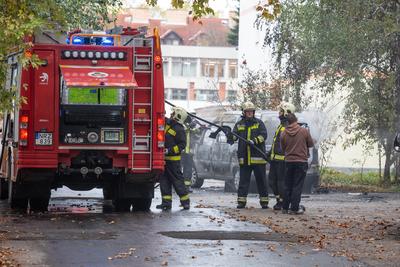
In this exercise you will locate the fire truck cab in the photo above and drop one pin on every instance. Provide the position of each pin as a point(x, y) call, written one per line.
point(93, 117)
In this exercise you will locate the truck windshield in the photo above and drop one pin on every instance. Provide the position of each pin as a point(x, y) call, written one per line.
point(93, 96)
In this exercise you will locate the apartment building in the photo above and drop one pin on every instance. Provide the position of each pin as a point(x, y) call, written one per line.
point(199, 64)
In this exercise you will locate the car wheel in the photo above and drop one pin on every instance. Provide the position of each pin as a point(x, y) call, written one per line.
point(232, 185)
point(197, 182)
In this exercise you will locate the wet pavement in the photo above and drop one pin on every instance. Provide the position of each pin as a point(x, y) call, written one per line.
point(78, 232)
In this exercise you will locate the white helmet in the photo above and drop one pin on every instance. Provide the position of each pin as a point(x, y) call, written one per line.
point(249, 106)
point(287, 108)
point(179, 114)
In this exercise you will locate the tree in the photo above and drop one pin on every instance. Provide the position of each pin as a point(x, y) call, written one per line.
point(233, 34)
point(350, 46)
point(257, 87)
point(22, 18)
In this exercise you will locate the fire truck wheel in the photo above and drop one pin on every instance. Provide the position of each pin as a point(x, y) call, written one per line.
point(16, 202)
point(39, 204)
point(3, 189)
point(122, 204)
point(141, 204)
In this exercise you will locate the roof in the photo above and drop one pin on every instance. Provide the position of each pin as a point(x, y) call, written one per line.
point(206, 32)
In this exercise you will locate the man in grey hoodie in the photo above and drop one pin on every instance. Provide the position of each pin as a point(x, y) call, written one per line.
point(295, 142)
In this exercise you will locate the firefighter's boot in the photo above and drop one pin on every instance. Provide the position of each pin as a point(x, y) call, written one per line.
point(185, 202)
point(279, 203)
point(241, 202)
point(264, 202)
point(164, 206)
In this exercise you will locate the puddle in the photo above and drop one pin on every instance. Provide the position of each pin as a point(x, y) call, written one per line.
point(230, 235)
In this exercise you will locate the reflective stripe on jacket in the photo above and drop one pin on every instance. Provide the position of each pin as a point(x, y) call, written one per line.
point(276, 149)
point(252, 129)
point(175, 139)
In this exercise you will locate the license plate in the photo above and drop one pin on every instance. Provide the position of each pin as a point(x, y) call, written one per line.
point(44, 139)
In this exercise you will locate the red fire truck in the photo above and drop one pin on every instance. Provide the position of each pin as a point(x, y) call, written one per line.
point(93, 118)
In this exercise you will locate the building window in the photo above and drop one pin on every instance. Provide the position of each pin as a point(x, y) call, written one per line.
point(206, 95)
point(165, 66)
point(212, 67)
point(178, 94)
point(185, 67)
point(233, 68)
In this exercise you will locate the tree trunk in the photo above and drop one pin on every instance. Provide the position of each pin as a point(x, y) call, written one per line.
point(386, 170)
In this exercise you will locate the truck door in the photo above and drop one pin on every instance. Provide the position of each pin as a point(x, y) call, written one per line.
point(44, 102)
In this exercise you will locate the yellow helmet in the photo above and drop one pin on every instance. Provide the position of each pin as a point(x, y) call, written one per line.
point(179, 114)
point(249, 106)
point(287, 108)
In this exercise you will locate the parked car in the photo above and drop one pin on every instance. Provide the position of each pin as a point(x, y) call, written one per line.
point(216, 159)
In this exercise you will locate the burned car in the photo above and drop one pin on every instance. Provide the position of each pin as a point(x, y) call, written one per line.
point(216, 159)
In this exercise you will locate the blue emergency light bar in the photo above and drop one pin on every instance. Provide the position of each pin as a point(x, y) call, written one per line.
point(92, 40)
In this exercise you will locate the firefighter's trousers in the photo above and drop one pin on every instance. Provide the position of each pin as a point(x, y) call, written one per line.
point(294, 180)
point(187, 165)
point(173, 177)
point(276, 178)
point(244, 183)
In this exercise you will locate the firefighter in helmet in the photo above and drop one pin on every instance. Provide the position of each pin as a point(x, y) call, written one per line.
point(250, 160)
point(276, 176)
point(175, 142)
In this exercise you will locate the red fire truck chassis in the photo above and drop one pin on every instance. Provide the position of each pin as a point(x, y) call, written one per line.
point(93, 118)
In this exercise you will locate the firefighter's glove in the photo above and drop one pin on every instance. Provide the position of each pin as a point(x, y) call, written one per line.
point(229, 138)
point(166, 151)
point(226, 129)
point(250, 142)
point(268, 159)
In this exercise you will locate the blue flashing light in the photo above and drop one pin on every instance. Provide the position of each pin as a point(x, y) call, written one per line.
point(67, 40)
point(106, 41)
point(77, 40)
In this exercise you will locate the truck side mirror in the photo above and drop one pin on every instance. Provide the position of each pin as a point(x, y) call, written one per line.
point(396, 145)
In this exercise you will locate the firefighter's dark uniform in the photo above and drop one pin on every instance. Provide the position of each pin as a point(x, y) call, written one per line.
point(175, 142)
point(276, 177)
point(250, 159)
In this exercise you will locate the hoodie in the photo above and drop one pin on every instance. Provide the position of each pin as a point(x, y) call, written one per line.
point(295, 142)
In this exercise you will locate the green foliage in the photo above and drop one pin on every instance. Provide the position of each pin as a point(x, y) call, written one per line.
point(331, 176)
point(233, 34)
point(20, 19)
point(199, 8)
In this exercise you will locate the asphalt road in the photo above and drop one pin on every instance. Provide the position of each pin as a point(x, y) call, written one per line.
point(77, 232)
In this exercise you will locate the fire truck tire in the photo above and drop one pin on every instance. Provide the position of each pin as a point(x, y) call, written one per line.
point(122, 204)
point(3, 189)
point(16, 202)
point(4, 183)
point(141, 204)
point(39, 204)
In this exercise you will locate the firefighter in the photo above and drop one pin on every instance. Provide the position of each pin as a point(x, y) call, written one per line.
point(276, 176)
point(250, 160)
point(175, 142)
point(187, 154)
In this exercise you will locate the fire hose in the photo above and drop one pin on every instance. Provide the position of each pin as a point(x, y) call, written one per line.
point(226, 130)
